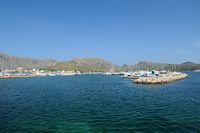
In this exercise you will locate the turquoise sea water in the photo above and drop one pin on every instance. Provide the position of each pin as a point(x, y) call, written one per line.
point(98, 104)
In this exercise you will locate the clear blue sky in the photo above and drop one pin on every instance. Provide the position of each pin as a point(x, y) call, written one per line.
point(121, 31)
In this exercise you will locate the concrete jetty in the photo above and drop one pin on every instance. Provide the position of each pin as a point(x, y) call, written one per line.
point(161, 79)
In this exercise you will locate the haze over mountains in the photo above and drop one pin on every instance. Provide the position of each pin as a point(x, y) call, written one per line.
point(88, 65)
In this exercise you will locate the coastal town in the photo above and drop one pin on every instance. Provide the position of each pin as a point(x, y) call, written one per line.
point(139, 77)
point(24, 73)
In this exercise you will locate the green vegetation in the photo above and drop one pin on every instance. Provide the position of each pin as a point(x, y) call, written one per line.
point(84, 65)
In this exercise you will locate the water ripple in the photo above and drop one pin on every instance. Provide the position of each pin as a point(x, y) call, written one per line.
point(97, 103)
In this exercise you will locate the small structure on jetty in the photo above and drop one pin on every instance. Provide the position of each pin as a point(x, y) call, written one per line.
point(162, 78)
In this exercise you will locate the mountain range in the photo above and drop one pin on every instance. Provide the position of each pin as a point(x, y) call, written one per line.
point(88, 65)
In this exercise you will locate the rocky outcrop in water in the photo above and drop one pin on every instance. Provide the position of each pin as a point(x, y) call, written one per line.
point(161, 79)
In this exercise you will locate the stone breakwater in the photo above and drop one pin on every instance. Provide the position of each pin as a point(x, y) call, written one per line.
point(12, 77)
point(161, 79)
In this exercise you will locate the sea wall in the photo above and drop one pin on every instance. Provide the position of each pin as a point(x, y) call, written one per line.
point(161, 79)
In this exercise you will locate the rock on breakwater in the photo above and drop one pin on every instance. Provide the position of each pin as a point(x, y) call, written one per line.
point(161, 79)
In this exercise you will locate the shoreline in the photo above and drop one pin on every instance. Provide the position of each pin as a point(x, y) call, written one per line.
point(12, 77)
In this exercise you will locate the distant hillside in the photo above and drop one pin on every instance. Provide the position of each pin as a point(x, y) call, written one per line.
point(186, 66)
point(188, 62)
point(146, 65)
point(89, 65)
point(85, 65)
point(97, 64)
point(12, 62)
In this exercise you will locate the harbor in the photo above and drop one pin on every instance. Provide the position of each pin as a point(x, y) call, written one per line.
point(138, 77)
point(24, 73)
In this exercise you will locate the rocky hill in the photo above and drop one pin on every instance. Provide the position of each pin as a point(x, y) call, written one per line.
point(12, 62)
point(186, 66)
point(85, 65)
